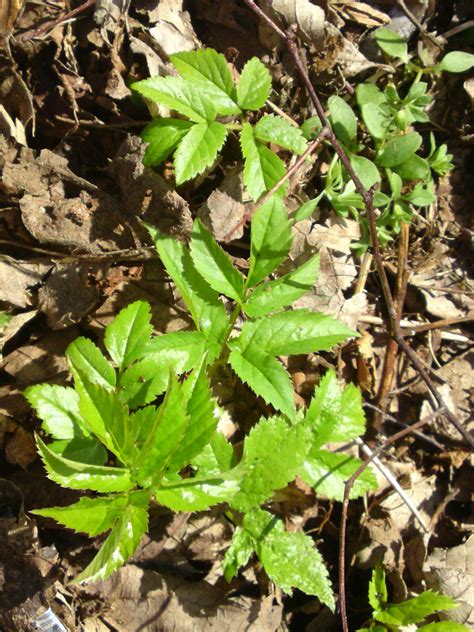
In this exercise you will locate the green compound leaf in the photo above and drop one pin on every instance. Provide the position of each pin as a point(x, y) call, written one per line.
point(414, 610)
point(58, 409)
point(254, 85)
point(106, 417)
point(265, 376)
point(456, 61)
point(335, 415)
point(366, 170)
point(342, 119)
point(273, 454)
point(127, 336)
point(274, 295)
point(214, 265)
point(198, 494)
point(290, 559)
point(122, 541)
point(198, 149)
point(90, 515)
point(327, 472)
point(378, 589)
point(84, 357)
point(392, 43)
point(238, 553)
point(291, 333)
point(399, 149)
point(163, 136)
point(81, 449)
point(203, 416)
point(275, 129)
point(179, 95)
point(207, 71)
point(75, 475)
point(202, 301)
point(262, 168)
point(165, 436)
point(270, 239)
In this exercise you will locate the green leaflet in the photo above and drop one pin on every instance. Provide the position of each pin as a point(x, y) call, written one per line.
point(377, 588)
point(392, 43)
point(198, 149)
point(163, 135)
point(414, 168)
point(254, 85)
point(86, 358)
point(456, 61)
point(262, 168)
point(270, 239)
point(342, 119)
point(202, 412)
point(273, 453)
point(414, 610)
point(273, 295)
point(376, 119)
point(238, 553)
point(275, 129)
point(366, 170)
point(122, 541)
point(164, 437)
point(198, 494)
point(177, 94)
point(216, 457)
point(265, 376)
point(444, 626)
point(81, 449)
point(290, 559)
point(328, 472)
point(82, 476)
point(106, 417)
point(214, 265)
point(202, 301)
point(208, 72)
point(369, 93)
point(291, 333)
point(398, 149)
point(126, 338)
point(58, 408)
point(335, 415)
point(89, 515)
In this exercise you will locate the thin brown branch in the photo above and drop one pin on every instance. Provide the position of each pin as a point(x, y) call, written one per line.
point(291, 171)
point(345, 504)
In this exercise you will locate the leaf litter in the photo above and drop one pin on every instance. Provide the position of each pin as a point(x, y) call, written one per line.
point(73, 185)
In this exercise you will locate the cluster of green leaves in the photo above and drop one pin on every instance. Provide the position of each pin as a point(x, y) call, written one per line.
point(393, 617)
point(4, 319)
point(388, 157)
point(204, 92)
point(111, 435)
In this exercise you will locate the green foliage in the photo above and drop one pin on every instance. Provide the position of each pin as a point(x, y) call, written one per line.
point(202, 93)
point(389, 617)
point(140, 426)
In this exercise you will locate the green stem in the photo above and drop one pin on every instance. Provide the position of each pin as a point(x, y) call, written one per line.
point(219, 361)
point(233, 126)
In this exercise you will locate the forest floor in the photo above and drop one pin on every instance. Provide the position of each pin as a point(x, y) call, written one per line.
point(70, 143)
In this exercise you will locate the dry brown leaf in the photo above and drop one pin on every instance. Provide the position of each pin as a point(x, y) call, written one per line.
point(9, 11)
point(451, 571)
point(16, 105)
point(225, 207)
point(308, 18)
point(360, 12)
point(172, 30)
point(18, 278)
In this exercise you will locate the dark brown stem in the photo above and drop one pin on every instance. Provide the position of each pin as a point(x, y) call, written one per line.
point(391, 354)
point(345, 504)
point(308, 151)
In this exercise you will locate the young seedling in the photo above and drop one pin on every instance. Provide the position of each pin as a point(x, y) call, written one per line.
point(393, 617)
point(115, 434)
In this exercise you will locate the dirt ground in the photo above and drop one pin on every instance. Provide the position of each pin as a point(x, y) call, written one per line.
point(73, 252)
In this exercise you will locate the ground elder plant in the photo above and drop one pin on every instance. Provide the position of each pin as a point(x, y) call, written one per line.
point(140, 426)
point(409, 614)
